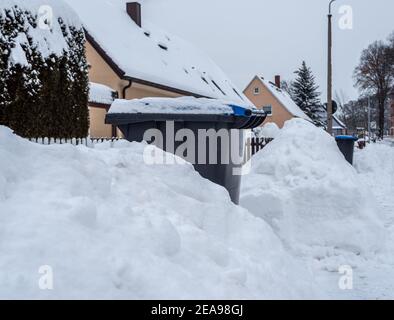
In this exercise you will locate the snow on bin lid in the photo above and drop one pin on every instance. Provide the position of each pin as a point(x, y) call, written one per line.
point(183, 105)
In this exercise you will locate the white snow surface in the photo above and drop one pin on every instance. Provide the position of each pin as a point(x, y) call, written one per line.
point(100, 93)
point(184, 105)
point(372, 276)
point(284, 98)
point(48, 40)
point(313, 199)
point(269, 130)
point(111, 226)
point(181, 66)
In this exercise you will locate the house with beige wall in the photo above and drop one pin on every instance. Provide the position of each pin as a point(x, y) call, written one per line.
point(277, 103)
point(270, 97)
point(136, 60)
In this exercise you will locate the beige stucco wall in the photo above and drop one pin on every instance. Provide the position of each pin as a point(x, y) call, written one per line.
point(265, 98)
point(97, 119)
point(101, 72)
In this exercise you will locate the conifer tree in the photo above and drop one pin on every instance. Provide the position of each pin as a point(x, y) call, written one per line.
point(44, 96)
point(305, 94)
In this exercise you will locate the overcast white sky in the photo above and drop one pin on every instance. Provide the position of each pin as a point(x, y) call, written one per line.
point(268, 37)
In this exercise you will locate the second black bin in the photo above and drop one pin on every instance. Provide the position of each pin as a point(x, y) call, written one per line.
point(135, 117)
point(346, 146)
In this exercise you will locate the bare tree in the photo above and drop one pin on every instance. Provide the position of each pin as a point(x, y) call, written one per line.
point(375, 76)
point(355, 114)
point(286, 85)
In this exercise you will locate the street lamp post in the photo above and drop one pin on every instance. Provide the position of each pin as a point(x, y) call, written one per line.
point(329, 73)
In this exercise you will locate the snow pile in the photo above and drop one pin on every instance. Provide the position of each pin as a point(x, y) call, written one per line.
point(314, 200)
point(269, 130)
point(185, 105)
point(377, 159)
point(45, 34)
point(100, 93)
point(111, 226)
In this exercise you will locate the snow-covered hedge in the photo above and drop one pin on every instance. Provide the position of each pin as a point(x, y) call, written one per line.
point(43, 69)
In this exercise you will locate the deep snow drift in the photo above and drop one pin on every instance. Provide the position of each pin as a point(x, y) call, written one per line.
point(111, 226)
point(313, 199)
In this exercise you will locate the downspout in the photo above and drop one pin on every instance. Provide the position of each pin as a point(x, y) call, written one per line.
point(114, 133)
point(126, 87)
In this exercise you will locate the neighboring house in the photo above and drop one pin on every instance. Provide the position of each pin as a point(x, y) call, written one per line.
point(338, 127)
point(270, 97)
point(276, 102)
point(136, 60)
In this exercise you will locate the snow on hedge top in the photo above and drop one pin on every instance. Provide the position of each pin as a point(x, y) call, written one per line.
point(100, 93)
point(150, 54)
point(47, 35)
point(184, 105)
point(284, 98)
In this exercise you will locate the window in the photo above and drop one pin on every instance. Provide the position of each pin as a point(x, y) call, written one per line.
point(163, 46)
point(205, 80)
point(268, 110)
point(256, 91)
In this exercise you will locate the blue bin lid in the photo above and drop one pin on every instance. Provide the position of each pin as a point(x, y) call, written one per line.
point(347, 138)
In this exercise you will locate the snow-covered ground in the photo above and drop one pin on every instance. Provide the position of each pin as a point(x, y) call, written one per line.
point(110, 226)
point(327, 213)
point(374, 275)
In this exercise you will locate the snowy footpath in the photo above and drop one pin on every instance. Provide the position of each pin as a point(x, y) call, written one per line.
point(375, 277)
point(333, 217)
point(79, 222)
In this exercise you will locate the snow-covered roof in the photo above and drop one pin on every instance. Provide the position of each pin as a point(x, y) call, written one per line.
point(283, 97)
point(151, 54)
point(184, 105)
point(47, 37)
point(99, 93)
point(338, 124)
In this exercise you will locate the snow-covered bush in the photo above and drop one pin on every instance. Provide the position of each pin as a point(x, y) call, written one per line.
point(314, 200)
point(111, 226)
point(44, 72)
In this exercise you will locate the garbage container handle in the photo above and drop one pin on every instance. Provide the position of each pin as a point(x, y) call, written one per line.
point(241, 112)
point(245, 112)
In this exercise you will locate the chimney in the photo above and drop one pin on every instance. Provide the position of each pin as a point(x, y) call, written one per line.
point(277, 81)
point(134, 11)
